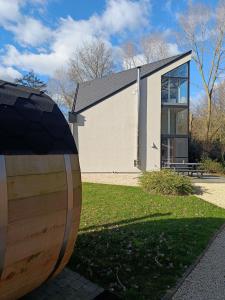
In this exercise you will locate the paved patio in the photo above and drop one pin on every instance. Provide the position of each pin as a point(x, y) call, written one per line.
point(66, 286)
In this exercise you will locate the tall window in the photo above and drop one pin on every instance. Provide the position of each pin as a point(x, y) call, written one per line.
point(175, 86)
point(174, 117)
point(174, 120)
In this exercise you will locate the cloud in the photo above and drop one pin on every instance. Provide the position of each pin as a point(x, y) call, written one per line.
point(9, 73)
point(121, 14)
point(118, 18)
point(26, 29)
point(9, 11)
point(30, 32)
point(173, 49)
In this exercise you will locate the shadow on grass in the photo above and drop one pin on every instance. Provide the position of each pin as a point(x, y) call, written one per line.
point(142, 260)
point(125, 222)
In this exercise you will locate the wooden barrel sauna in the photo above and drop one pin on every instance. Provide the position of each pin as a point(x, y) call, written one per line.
point(40, 190)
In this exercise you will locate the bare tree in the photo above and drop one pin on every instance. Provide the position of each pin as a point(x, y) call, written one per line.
point(31, 80)
point(217, 127)
point(204, 32)
point(92, 60)
point(154, 48)
point(129, 55)
point(61, 88)
point(151, 48)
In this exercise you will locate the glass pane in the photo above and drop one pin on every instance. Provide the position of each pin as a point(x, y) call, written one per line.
point(164, 89)
point(165, 147)
point(164, 126)
point(183, 91)
point(174, 120)
point(174, 150)
point(174, 90)
point(181, 121)
point(181, 147)
point(181, 71)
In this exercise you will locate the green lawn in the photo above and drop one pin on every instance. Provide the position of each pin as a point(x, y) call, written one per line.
point(137, 244)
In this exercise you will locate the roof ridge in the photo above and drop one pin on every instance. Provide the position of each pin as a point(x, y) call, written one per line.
point(97, 90)
point(134, 68)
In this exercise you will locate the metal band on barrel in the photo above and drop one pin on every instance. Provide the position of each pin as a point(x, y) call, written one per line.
point(3, 212)
point(69, 217)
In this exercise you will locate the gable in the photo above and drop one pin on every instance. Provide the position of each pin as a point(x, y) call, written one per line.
point(92, 92)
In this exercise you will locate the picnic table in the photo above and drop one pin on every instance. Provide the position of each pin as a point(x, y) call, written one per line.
point(186, 168)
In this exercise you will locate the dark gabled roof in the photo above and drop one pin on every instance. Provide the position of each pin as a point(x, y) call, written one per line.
point(31, 123)
point(94, 91)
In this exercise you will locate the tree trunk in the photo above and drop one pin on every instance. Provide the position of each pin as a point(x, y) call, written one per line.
point(208, 125)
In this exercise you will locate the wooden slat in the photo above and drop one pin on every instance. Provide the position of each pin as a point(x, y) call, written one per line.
point(37, 191)
point(35, 227)
point(34, 164)
point(34, 185)
point(30, 246)
point(69, 213)
point(69, 250)
point(27, 274)
point(30, 263)
point(74, 231)
point(21, 209)
point(76, 179)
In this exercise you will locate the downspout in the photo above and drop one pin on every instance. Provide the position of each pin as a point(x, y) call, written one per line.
point(137, 163)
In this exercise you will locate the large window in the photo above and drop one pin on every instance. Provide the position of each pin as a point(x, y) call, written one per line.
point(174, 116)
point(174, 120)
point(174, 149)
point(175, 86)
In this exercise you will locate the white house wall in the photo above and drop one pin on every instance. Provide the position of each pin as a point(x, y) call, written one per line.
point(153, 154)
point(108, 134)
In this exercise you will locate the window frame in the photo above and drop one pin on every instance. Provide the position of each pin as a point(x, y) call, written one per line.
point(178, 105)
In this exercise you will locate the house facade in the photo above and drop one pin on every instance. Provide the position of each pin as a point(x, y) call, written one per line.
point(135, 120)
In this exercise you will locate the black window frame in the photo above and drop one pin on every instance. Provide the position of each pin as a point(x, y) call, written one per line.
point(174, 105)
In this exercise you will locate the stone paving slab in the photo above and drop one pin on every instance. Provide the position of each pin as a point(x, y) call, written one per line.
point(68, 285)
point(207, 279)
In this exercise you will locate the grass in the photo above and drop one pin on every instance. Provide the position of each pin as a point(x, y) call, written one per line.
point(138, 245)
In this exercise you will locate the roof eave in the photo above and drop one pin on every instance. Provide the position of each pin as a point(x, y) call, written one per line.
point(126, 86)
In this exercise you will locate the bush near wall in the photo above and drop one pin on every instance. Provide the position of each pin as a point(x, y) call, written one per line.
point(212, 166)
point(166, 182)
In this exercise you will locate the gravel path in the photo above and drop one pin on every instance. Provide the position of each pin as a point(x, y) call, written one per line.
point(213, 193)
point(207, 280)
point(112, 178)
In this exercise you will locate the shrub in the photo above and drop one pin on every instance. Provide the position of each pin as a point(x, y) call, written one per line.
point(166, 182)
point(212, 166)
